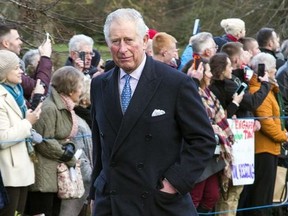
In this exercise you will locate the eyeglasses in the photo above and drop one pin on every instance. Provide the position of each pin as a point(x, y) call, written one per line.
point(92, 54)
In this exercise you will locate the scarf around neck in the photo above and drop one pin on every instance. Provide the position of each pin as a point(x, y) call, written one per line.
point(17, 93)
point(69, 104)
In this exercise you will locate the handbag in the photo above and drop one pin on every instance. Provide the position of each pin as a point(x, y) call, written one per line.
point(69, 188)
point(280, 188)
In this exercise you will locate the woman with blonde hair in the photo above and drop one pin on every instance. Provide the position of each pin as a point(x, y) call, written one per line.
point(16, 151)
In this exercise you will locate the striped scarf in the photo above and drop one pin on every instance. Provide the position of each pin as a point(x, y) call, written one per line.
point(220, 125)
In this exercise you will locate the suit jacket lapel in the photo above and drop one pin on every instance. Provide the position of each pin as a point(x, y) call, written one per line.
point(146, 88)
point(111, 99)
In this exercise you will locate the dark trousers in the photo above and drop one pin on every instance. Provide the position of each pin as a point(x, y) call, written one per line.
point(261, 192)
point(47, 203)
point(17, 200)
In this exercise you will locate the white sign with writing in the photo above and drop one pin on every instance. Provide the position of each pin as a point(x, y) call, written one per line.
point(243, 151)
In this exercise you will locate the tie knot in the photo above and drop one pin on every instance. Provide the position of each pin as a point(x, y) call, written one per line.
point(127, 77)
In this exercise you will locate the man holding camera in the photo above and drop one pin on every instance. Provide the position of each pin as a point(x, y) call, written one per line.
point(82, 55)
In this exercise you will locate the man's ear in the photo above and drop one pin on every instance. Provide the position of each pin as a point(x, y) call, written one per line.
point(74, 55)
point(270, 43)
point(234, 61)
point(5, 43)
point(163, 52)
point(145, 41)
point(207, 52)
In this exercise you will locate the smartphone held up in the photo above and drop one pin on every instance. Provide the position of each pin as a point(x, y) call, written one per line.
point(82, 56)
point(197, 60)
point(48, 37)
point(261, 70)
point(241, 88)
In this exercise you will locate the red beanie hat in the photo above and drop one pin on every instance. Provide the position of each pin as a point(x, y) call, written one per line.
point(152, 33)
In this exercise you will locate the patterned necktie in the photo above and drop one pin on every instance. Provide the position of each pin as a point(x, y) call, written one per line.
point(126, 93)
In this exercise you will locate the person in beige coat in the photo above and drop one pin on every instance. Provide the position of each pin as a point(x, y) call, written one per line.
point(16, 122)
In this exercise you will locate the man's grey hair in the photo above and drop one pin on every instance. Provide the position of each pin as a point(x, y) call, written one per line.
point(201, 41)
point(263, 58)
point(125, 15)
point(77, 41)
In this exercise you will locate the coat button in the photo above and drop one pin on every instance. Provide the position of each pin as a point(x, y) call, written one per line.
point(145, 194)
point(113, 192)
point(140, 166)
point(148, 137)
point(101, 134)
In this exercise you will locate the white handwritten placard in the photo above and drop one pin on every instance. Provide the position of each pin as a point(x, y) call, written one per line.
point(243, 151)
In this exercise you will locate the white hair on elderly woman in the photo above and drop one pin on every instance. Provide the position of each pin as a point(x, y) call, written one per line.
point(263, 58)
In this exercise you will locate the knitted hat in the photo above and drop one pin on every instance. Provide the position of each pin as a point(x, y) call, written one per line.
point(8, 62)
point(152, 33)
point(232, 25)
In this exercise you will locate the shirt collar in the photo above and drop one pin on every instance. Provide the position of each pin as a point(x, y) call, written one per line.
point(136, 73)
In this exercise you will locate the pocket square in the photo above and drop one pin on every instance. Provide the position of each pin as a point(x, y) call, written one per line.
point(158, 112)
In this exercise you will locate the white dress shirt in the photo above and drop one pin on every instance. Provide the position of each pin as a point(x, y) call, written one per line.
point(135, 76)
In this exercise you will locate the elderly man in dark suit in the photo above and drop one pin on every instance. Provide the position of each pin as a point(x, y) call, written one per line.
point(142, 110)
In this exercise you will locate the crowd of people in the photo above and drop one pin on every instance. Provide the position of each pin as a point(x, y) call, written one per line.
point(152, 126)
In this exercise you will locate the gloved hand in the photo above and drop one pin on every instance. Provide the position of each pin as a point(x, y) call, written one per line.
point(71, 163)
point(69, 151)
point(36, 137)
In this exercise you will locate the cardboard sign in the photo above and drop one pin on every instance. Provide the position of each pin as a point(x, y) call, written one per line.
point(243, 151)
